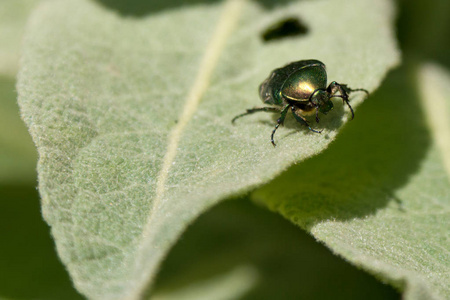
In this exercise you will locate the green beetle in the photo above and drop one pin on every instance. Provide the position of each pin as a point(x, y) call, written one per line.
point(300, 86)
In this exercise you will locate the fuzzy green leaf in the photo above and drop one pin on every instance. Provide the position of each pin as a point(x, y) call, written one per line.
point(131, 116)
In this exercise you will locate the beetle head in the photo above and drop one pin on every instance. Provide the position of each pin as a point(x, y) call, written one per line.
point(326, 107)
point(321, 99)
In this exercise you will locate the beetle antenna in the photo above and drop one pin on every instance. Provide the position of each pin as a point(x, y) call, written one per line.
point(359, 90)
point(256, 109)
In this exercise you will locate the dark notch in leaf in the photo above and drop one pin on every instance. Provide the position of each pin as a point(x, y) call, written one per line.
point(285, 28)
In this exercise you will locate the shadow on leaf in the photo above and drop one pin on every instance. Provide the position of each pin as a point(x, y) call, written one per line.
point(289, 264)
point(29, 266)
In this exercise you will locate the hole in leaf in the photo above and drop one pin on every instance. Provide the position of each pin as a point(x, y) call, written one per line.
point(285, 28)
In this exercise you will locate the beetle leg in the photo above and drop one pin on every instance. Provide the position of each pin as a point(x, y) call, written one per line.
point(345, 100)
point(349, 106)
point(256, 109)
point(344, 91)
point(279, 121)
point(316, 105)
point(302, 120)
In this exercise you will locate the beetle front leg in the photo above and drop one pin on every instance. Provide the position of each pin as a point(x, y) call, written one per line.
point(317, 114)
point(349, 106)
point(316, 103)
point(279, 121)
point(345, 100)
point(343, 90)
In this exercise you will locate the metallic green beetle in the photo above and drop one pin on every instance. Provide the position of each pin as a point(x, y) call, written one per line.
point(300, 86)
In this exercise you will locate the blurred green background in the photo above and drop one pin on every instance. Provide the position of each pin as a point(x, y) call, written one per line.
point(289, 263)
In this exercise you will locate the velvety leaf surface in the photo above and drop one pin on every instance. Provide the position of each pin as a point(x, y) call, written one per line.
point(131, 116)
point(380, 196)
